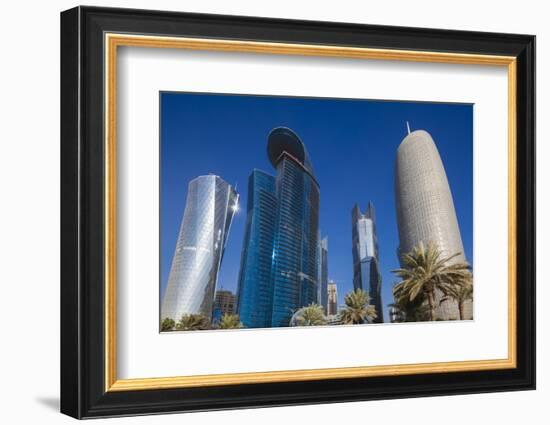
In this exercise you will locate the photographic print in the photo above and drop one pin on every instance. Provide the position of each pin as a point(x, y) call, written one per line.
point(268, 185)
point(288, 211)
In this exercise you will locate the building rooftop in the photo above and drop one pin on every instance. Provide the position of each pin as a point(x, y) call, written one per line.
point(284, 140)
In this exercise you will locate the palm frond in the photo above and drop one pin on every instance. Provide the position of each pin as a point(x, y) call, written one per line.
point(311, 315)
point(424, 271)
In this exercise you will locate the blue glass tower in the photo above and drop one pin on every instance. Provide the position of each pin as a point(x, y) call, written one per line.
point(366, 269)
point(295, 259)
point(255, 291)
point(280, 258)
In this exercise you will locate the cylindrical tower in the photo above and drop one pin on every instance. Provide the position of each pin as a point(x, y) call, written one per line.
point(425, 208)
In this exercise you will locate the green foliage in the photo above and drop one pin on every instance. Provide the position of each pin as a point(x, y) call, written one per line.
point(424, 272)
point(358, 309)
point(167, 325)
point(462, 293)
point(230, 321)
point(412, 311)
point(312, 315)
point(193, 322)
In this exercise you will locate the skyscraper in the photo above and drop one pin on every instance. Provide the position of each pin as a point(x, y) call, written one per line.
point(425, 208)
point(209, 209)
point(224, 303)
point(322, 292)
point(295, 259)
point(255, 290)
point(366, 266)
point(332, 306)
point(280, 257)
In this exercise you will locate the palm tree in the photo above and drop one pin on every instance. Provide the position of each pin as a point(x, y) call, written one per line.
point(230, 321)
point(312, 315)
point(167, 325)
point(193, 322)
point(415, 311)
point(424, 273)
point(358, 309)
point(462, 293)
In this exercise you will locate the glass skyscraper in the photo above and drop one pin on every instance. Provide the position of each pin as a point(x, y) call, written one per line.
point(209, 209)
point(255, 291)
point(425, 208)
point(283, 215)
point(366, 267)
point(295, 261)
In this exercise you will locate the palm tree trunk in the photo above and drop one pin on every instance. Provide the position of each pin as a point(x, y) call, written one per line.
point(461, 310)
point(431, 303)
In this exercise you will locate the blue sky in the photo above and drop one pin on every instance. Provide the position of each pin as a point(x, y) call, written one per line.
point(352, 145)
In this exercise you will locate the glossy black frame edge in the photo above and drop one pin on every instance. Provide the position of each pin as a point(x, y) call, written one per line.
point(82, 202)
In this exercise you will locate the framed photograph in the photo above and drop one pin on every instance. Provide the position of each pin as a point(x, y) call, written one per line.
point(261, 212)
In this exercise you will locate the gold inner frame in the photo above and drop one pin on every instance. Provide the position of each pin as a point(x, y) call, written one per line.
point(113, 41)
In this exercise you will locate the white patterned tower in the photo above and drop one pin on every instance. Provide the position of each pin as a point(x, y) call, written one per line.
point(425, 208)
point(209, 209)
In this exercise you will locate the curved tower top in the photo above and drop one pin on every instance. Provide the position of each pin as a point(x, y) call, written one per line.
point(284, 140)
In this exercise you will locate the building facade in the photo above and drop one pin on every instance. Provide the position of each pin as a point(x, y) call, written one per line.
point(322, 292)
point(255, 287)
point(224, 303)
point(395, 315)
point(366, 266)
point(332, 305)
point(295, 259)
point(425, 208)
point(209, 209)
point(280, 257)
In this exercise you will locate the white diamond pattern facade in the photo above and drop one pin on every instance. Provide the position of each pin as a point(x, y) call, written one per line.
point(366, 267)
point(209, 210)
point(425, 208)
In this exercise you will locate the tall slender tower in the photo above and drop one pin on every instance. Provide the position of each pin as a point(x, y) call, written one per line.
point(322, 293)
point(332, 306)
point(295, 254)
point(425, 208)
point(255, 292)
point(209, 209)
point(366, 266)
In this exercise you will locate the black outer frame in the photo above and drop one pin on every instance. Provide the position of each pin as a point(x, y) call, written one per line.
point(82, 219)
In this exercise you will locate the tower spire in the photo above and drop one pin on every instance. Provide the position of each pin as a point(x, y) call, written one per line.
point(408, 128)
